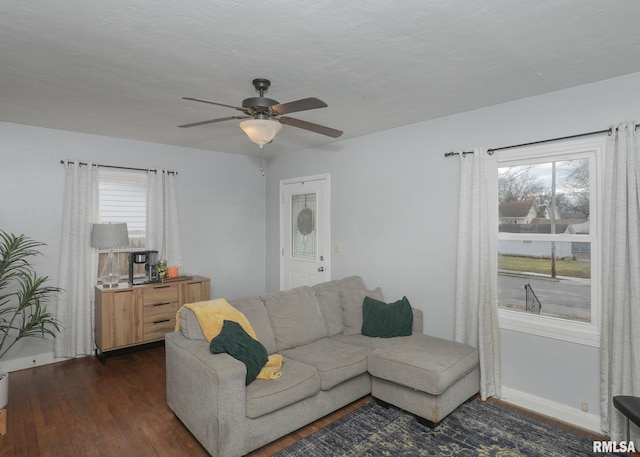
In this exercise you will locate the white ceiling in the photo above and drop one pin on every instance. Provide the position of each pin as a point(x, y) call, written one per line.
point(120, 67)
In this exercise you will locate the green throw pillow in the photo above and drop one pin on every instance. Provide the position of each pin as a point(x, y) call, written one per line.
point(386, 320)
point(237, 343)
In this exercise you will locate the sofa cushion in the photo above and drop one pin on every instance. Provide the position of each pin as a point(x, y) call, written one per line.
point(254, 310)
point(238, 344)
point(351, 302)
point(364, 341)
point(350, 283)
point(386, 320)
point(336, 362)
point(328, 296)
point(251, 307)
point(298, 381)
point(295, 317)
point(422, 362)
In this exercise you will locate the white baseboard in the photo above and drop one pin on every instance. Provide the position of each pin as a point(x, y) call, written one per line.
point(30, 362)
point(551, 408)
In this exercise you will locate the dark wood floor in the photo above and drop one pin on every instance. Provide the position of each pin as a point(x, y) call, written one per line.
point(83, 408)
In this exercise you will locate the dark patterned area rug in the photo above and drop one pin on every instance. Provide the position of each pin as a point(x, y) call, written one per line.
point(475, 429)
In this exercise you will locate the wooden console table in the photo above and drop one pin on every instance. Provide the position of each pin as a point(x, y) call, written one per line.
point(132, 316)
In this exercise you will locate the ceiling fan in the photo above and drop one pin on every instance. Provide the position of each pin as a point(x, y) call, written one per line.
point(264, 116)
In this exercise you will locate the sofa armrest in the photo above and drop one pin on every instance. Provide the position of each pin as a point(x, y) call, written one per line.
point(207, 393)
point(417, 321)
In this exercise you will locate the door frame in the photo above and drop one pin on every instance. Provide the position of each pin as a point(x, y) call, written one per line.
point(326, 223)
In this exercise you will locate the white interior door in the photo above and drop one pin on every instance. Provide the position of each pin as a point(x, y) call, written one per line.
point(304, 231)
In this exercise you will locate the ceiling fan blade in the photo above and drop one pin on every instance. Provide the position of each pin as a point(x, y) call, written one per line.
point(299, 105)
point(211, 121)
point(214, 103)
point(321, 129)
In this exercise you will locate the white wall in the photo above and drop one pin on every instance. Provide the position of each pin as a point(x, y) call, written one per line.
point(394, 211)
point(221, 203)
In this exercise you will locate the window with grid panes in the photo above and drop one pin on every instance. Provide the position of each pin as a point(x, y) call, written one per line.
point(548, 275)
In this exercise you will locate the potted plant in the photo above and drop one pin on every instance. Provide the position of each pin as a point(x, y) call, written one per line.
point(23, 298)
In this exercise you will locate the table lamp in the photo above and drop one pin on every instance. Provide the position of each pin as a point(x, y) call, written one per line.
point(110, 236)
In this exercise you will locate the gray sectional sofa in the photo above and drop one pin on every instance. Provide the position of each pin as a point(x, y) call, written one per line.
point(328, 364)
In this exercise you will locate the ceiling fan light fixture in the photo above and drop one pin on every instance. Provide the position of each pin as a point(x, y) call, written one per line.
point(261, 131)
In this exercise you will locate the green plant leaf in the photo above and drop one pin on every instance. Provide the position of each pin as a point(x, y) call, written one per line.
point(23, 293)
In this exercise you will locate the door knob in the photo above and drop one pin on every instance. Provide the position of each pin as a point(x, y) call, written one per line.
point(320, 269)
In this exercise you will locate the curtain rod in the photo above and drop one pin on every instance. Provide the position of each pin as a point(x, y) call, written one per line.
point(492, 150)
point(67, 162)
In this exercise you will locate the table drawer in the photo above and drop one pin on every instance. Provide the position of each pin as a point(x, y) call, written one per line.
point(157, 330)
point(161, 294)
point(159, 311)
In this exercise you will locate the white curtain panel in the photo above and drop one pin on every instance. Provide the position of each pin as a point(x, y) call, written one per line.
point(163, 221)
point(78, 262)
point(476, 308)
point(620, 339)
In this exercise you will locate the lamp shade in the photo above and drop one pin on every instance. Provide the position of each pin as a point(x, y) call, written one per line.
point(109, 235)
point(261, 131)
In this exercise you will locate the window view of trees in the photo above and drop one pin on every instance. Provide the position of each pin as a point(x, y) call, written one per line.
point(544, 252)
point(534, 182)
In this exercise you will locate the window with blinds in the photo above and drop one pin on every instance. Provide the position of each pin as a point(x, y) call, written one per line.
point(123, 198)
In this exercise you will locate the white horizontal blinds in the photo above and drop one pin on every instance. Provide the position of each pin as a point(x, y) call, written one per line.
point(123, 198)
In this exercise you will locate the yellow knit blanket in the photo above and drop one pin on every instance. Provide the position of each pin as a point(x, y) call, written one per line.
point(211, 315)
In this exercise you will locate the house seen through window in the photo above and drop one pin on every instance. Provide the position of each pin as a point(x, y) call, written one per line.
point(547, 243)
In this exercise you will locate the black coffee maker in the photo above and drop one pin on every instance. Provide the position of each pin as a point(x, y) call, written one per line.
point(150, 261)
